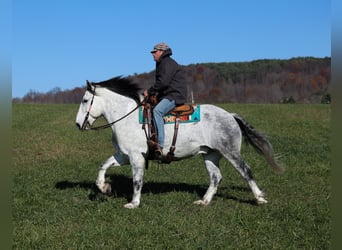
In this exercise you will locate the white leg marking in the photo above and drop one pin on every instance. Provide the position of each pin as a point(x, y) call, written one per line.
point(258, 194)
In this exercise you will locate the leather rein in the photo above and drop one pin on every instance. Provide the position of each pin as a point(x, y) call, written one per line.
point(108, 125)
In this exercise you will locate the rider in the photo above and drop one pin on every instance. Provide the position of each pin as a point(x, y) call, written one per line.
point(169, 87)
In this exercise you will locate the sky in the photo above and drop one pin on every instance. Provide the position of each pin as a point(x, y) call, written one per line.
point(63, 43)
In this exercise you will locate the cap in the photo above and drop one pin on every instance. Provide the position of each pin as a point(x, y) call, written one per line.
point(160, 46)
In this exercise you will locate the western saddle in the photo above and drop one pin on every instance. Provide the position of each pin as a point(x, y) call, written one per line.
point(151, 131)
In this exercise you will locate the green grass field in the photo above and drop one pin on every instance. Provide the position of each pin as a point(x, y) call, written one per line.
point(57, 206)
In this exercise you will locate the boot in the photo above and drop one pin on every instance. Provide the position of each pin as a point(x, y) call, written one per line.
point(155, 147)
point(158, 152)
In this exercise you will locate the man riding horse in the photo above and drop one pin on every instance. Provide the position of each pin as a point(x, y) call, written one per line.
point(169, 88)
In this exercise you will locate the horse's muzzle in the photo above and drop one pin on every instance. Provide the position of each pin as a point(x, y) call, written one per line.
point(85, 126)
point(78, 125)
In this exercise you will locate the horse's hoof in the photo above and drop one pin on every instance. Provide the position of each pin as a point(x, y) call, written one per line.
point(130, 205)
point(201, 203)
point(261, 200)
point(107, 189)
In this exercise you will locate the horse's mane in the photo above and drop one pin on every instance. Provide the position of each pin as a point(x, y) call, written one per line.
point(122, 86)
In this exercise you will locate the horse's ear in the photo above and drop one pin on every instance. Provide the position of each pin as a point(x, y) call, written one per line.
point(89, 85)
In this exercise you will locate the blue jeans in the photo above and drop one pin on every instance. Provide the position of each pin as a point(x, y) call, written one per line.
point(159, 111)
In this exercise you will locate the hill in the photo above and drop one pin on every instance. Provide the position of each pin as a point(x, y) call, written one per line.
point(295, 80)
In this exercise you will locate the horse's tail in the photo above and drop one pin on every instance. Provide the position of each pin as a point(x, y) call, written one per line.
point(259, 142)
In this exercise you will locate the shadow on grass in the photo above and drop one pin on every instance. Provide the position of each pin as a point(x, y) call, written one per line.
point(122, 187)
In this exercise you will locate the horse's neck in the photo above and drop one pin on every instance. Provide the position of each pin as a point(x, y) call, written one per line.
point(117, 106)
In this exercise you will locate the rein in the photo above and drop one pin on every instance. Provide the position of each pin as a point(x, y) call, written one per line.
point(108, 125)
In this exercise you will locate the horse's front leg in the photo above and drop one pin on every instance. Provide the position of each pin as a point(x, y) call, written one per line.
point(137, 163)
point(115, 161)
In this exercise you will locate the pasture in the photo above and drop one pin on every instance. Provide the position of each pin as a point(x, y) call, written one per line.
point(56, 204)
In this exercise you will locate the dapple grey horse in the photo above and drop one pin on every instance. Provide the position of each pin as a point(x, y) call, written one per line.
point(218, 134)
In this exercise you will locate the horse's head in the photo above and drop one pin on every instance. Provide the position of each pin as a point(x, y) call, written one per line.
point(90, 108)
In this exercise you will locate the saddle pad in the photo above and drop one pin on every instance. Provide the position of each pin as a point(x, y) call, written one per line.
point(168, 119)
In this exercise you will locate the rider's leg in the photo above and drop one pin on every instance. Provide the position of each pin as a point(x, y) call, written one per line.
point(160, 110)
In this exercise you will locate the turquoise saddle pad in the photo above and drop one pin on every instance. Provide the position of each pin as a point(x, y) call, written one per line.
point(168, 119)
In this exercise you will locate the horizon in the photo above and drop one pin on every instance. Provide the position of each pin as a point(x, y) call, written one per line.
point(84, 85)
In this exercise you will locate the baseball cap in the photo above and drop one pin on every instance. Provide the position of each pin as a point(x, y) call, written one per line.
point(160, 46)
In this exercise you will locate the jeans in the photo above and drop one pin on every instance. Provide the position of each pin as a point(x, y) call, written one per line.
point(159, 111)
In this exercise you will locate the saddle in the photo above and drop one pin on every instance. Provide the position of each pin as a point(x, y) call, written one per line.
point(151, 131)
point(185, 109)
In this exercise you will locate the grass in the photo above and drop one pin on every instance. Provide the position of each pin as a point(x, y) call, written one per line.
point(57, 206)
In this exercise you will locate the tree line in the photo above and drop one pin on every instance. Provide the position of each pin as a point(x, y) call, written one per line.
point(295, 80)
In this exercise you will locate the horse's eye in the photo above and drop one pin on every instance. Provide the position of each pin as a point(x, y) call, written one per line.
point(85, 101)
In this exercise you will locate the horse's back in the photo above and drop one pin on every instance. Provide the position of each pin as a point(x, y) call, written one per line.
point(215, 115)
point(215, 129)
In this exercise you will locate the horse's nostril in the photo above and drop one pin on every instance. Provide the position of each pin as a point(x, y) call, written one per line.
point(78, 125)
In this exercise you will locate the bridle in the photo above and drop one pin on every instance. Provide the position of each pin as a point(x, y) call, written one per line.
point(108, 125)
point(85, 122)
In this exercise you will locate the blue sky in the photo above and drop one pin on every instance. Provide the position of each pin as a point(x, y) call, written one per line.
point(63, 43)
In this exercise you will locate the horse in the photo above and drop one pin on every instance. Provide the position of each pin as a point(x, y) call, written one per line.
point(218, 134)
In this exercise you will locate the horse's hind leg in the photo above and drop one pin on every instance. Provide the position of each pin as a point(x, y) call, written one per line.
point(212, 164)
point(241, 166)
